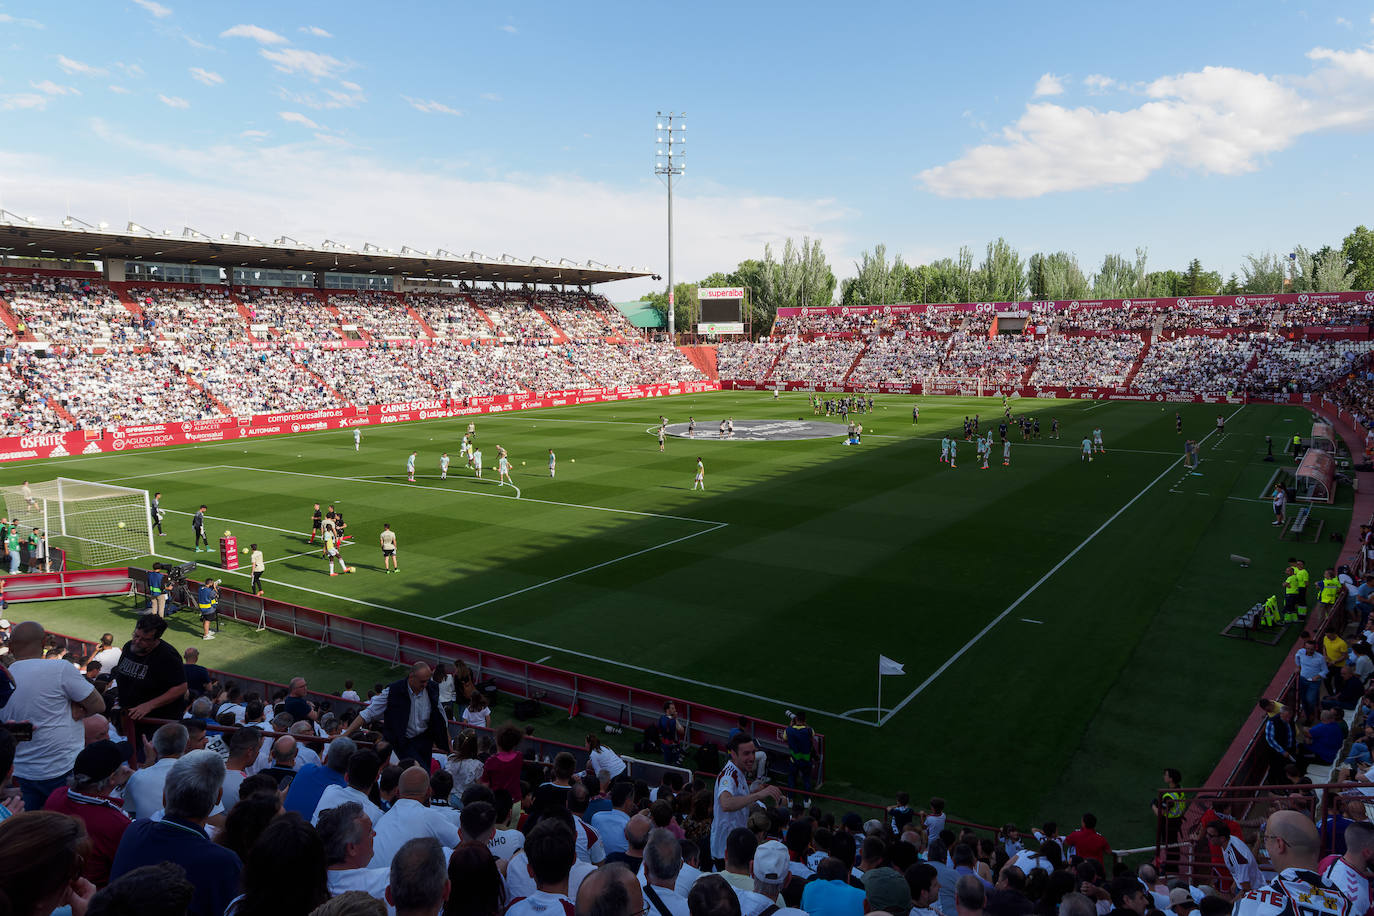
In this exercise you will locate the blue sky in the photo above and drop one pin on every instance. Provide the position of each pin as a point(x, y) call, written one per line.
point(1208, 130)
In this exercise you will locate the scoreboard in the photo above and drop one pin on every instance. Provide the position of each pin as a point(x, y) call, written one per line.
point(722, 310)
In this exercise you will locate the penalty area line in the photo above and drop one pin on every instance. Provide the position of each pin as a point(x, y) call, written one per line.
point(977, 637)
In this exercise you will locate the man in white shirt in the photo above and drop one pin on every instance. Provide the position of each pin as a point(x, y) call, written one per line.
point(108, 654)
point(347, 834)
point(613, 889)
point(363, 767)
point(520, 880)
point(51, 694)
point(1240, 861)
point(418, 883)
point(143, 792)
point(243, 753)
point(411, 817)
point(551, 849)
point(662, 863)
point(1350, 872)
point(733, 794)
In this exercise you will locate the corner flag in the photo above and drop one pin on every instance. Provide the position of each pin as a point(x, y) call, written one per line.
point(888, 666)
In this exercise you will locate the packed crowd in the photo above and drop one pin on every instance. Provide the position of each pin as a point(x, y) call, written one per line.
point(287, 314)
point(190, 314)
point(824, 361)
point(1001, 360)
point(63, 309)
point(581, 316)
point(512, 315)
point(449, 316)
point(1136, 318)
point(250, 381)
point(747, 359)
point(1068, 360)
point(382, 315)
point(119, 388)
point(1328, 316)
point(150, 788)
point(933, 320)
point(898, 361)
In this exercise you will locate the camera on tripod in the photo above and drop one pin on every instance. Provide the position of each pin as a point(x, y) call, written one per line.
point(178, 591)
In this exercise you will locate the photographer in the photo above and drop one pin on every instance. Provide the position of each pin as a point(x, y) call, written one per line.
point(207, 599)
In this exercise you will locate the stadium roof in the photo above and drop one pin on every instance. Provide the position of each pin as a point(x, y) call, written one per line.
point(641, 314)
point(24, 238)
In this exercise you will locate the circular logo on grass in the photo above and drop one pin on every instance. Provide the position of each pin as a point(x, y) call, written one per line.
point(759, 430)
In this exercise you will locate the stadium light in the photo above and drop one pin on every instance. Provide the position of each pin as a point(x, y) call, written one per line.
point(69, 221)
point(10, 216)
point(135, 227)
point(286, 238)
point(670, 160)
point(406, 249)
point(444, 253)
point(188, 233)
point(245, 237)
point(368, 246)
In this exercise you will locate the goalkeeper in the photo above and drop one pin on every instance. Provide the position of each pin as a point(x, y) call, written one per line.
point(198, 527)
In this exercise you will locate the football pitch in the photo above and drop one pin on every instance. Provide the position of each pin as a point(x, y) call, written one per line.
point(1058, 620)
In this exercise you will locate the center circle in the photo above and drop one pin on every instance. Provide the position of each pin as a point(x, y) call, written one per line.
point(759, 430)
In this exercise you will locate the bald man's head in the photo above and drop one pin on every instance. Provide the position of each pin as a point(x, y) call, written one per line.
point(611, 890)
point(284, 751)
point(637, 831)
point(26, 639)
point(1295, 840)
point(95, 728)
point(414, 784)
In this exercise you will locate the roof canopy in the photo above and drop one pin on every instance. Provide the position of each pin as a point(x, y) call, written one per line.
point(1317, 476)
point(190, 247)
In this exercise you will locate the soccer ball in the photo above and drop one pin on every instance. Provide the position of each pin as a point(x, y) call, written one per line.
point(243, 550)
point(522, 464)
point(227, 534)
point(121, 524)
point(574, 461)
point(350, 569)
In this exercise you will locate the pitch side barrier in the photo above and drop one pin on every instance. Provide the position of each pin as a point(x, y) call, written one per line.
point(223, 429)
point(55, 586)
point(616, 704)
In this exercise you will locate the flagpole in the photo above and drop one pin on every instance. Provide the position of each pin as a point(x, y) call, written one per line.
point(880, 692)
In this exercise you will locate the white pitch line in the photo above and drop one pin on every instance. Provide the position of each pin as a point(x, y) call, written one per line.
point(546, 502)
point(1039, 582)
point(391, 478)
point(1097, 405)
point(304, 553)
point(544, 659)
point(530, 588)
point(1029, 620)
point(236, 521)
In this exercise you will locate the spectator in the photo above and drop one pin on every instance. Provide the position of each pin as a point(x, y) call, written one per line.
point(611, 891)
point(885, 890)
point(284, 751)
point(610, 825)
point(831, 894)
point(636, 835)
point(259, 805)
point(347, 834)
point(418, 883)
point(296, 704)
point(472, 868)
point(106, 654)
point(192, 788)
point(463, 764)
point(9, 805)
point(551, 852)
point(502, 769)
point(411, 817)
point(411, 719)
point(244, 746)
point(284, 874)
point(40, 864)
point(969, 896)
point(152, 683)
point(773, 879)
point(307, 788)
point(662, 863)
point(924, 885)
point(50, 693)
point(733, 795)
point(143, 794)
point(602, 759)
point(197, 676)
point(153, 890)
point(363, 766)
point(711, 896)
point(97, 775)
point(1088, 843)
point(520, 877)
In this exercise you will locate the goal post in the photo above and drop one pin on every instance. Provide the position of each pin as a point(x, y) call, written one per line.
point(97, 524)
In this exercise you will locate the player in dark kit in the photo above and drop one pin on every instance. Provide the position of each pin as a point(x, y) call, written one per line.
point(316, 523)
point(1178, 422)
point(1035, 428)
point(1054, 427)
point(1002, 430)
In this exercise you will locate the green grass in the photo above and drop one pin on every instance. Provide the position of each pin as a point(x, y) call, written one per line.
point(1105, 584)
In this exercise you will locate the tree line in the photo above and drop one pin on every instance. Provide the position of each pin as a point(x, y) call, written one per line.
point(803, 277)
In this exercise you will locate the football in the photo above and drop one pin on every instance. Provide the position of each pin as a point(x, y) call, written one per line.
point(243, 550)
point(350, 569)
point(121, 524)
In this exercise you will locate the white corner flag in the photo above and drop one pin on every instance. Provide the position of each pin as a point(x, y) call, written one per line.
point(888, 666)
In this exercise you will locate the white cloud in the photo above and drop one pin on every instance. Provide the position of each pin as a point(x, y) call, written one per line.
point(509, 28)
point(491, 97)
point(329, 100)
point(316, 31)
point(1342, 21)
point(1219, 120)
point(295, 117)
point(1097, 83)
point(255, 134)
point(7, 19)
point(256, 33)
point(173, 101)
point(157, 9)
point(207, 77)
point(1049, 84)
point(128, 69)
point(48, 87)
point(76, 67)
point(23, 100)
point(120, 90)
point(430, 106)
point(311, 63)
point(351, 87)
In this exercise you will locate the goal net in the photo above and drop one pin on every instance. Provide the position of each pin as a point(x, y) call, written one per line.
point(97, 524)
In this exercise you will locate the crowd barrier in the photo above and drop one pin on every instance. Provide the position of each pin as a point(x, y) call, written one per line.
point(152, 435)
point(54, 586)
point(1278, 300)
point(628, 708)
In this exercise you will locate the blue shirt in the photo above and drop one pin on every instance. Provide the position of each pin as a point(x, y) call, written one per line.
point(1326, 741)
point(212, 870)
point(610, 826)
point(206, 597)
point(308, 786)
point(155, 582)
point(832, 898)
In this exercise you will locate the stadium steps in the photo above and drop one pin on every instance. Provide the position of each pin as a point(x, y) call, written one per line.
point(246, 314)
point(197, 386)
point(1030, 370)
point(1129, 380)
point(704, 359)
point(774, 364)
point(122, 291)
point(62, 412)
point(854, 364)
point(7, 318)
point(481, 312)
point(424, 325)
point(559, 335)
point(329, 389)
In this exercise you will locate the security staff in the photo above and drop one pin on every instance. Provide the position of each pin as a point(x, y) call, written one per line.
point(1331, 587)
point(1290, 595)
point(157, 593)
point(208, 602)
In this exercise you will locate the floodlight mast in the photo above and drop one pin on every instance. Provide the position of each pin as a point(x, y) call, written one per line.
point(670, 159)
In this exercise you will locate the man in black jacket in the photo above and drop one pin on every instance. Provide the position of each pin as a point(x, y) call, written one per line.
point(410, 717)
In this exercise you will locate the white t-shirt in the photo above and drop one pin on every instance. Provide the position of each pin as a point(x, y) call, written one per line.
point(1351, 884)
point(108, 658)
point(603, 758)
point(1240, 861)
point(519, 882)
point(371, 881)
point(44, 689)
point(731, 781)
point(675, 903)
point(334, 796)
point(478, 718)
point(539, 903)
point(506, 843)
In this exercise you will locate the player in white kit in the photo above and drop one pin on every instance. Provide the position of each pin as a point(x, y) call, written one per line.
point(700, 481)
point(1097, 441)
point(1006, 453)
point(443, 466)
point(953, 453)
point(553, 462)
point(503, 471)
point(1087, 450)
point(357, 438)
point(410, 468)
point(944, 449)
point(477, 461)
point(984, 450)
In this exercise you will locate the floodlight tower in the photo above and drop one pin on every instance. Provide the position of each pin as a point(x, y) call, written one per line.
point(670, 160)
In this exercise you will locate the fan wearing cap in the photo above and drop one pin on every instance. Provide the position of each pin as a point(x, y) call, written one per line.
point(1181, 902)
point(99, 771)
point(886, 890)
point(772, 873)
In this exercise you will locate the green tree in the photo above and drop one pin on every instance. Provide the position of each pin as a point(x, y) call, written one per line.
point(1199, 282)
point(1263, 273)
point(1331, 273)
point(1056, 276)
point(686, 308)
point(1358, 248)
point(875, 280)
point(1232, 287)
point(1001, 277)
point(1166, 283)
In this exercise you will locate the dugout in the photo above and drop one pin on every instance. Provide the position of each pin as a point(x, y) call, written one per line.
point(1316, 477)
point(1324, 437)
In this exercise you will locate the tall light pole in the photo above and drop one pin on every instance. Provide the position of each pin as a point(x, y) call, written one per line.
point(669, 160)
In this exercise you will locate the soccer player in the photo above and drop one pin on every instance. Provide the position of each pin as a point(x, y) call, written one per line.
point(410, 468)
point(720, 433)
point(983, 451)
point(553, 463)
point(157, 514)
point(257, 566)
point(915, 415)
point(691, 427)
point(953, 452)
point(1087, 449)
point(341, 528)
point(1035, 428)
point(388, 542)
point(477, 461)
point(1002, 430)
point(1280, 503)
point(1221, 423)
point(944, 449)
point(503, 471)
point(443, 466)
point(1054, 427)
point(700, 481)
point(472, 429)
point(1006, 454)
point(660, 438)
point(1178, 423)
point(730, 427)
point(331, 550)
point(28, 496)
point(1097, 440)
point(357, 438)
point(198, 528)
point(316, 523)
